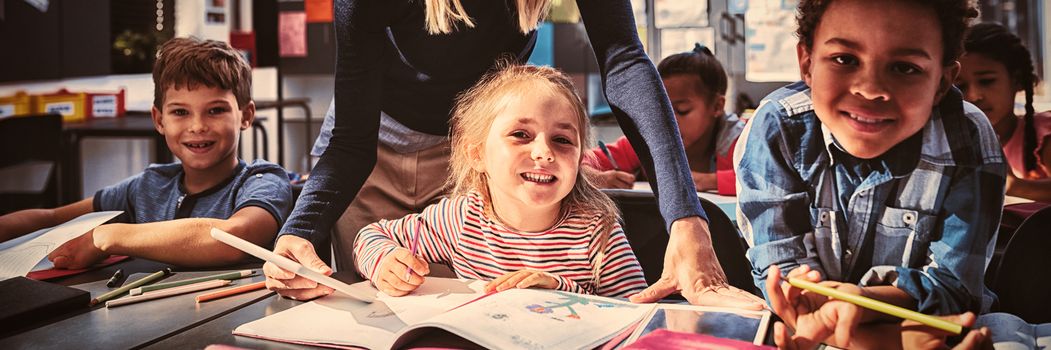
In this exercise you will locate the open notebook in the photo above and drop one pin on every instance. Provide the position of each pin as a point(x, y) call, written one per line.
point(512, 319)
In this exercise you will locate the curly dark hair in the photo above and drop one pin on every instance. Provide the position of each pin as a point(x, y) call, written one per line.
point(996, 42)
point(954, 15)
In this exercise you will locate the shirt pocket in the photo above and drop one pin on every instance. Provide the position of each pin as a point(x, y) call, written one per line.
point(902, 238)
point(826, 240)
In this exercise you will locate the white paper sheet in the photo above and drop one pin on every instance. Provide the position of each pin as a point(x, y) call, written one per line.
point(338, 319)
point(18, 258)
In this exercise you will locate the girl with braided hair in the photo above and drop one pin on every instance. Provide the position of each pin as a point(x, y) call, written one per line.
point(996, 67)
point(696, 84)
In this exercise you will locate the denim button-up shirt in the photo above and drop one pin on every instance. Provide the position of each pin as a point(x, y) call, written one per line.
point(922, 217)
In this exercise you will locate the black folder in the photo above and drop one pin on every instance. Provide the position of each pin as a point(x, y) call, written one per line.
point(26, 301)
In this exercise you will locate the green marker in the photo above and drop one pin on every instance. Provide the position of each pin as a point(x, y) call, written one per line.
point(223, 276)
point(873, 304)
point(109, 295)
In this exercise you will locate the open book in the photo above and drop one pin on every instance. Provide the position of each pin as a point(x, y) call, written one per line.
point(512, 319)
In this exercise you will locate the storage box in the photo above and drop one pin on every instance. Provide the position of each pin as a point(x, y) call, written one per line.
point(72, 106)
point(19, 104)
point(106, 104)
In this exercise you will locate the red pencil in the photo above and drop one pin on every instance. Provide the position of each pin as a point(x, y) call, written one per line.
point(230, 291)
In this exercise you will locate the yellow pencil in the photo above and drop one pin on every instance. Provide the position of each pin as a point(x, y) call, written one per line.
point(873, 304)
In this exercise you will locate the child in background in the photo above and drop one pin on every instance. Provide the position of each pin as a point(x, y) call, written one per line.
point(995, 68)
point(696, 84)
point(871, 175)
point(521, 214)
point(202, 101)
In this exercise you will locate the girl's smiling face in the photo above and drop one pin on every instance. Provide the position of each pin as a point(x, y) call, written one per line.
point(875, 72)
point(531, 155)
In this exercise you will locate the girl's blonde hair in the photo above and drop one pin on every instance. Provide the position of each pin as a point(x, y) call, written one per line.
point(442, 15)
point(473, 115)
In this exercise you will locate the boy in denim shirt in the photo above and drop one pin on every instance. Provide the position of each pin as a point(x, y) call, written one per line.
point(871, 174)
point(202, 101)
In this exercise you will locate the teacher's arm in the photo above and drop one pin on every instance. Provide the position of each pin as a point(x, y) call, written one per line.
point(351, 153)
point(638, 100)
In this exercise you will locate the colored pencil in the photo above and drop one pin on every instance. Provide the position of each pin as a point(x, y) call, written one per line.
point(109, 295)
point(414, 244)
point(167, 292)
point(873, 304)
point(602, 146)
point(230, 291)
point(222, 276)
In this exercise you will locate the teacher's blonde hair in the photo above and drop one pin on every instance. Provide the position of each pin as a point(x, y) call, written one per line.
point(442, 15)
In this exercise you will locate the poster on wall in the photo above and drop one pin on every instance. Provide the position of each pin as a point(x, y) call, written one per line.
point(680, 13)
point(770, 42)
point(292, 34)
point(215, 12)
point(678, 40)
point(318, 11)
point(209, 19)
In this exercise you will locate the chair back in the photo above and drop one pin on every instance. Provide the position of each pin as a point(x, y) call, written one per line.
point(644, 227)
point(27, 139)
point(1020, 282)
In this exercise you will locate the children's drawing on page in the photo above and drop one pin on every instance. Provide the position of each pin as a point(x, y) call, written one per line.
point(566, 301)
point(544, 319)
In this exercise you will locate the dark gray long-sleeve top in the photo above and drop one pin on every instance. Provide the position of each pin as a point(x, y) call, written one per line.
point(387, 61)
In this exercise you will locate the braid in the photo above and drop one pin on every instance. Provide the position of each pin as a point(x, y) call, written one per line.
point(1029, 141)
point(994, 41)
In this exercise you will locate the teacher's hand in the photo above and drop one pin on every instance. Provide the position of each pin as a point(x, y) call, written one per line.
point(289, 284)
point(691, 267)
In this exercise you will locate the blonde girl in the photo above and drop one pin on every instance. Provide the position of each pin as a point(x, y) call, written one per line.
point(384, 150)
point(521, 214)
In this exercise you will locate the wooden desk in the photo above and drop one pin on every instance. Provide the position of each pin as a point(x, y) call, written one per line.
point(132, 125)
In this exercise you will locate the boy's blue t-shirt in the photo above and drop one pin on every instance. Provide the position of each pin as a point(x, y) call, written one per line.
point(922, 217)
point(157, 194)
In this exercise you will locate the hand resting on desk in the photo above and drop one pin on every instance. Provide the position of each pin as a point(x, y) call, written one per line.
point(289, 284)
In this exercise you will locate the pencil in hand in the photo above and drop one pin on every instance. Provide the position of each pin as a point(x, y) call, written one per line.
point(876, 305)
point(413, 244)
point(605, 150)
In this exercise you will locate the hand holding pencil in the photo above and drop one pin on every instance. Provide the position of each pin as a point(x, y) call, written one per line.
point(400, 272)
point(814, 317)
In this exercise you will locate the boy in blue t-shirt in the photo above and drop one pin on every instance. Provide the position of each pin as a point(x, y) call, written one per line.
point(202, 101)
point(871, 175)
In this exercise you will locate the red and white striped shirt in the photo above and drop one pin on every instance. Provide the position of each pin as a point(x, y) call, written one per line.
point(456, 232)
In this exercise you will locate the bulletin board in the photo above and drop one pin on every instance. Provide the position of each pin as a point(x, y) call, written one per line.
point(770, 42)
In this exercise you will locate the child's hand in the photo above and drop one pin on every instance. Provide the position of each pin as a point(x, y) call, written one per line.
point(614, 179)
point(915, 335)
point(77, 253)
point(814, 317)
point(522, 279)
point(393, 277)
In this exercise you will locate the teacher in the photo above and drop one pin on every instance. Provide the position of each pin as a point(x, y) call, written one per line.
point(400, 65)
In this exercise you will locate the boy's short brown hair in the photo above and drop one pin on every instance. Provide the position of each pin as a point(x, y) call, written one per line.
point(191, 62)
point(954, 16)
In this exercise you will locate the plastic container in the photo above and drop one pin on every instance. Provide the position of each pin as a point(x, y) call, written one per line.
point(72, 106)
point(19, 104)
point(105, 104)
